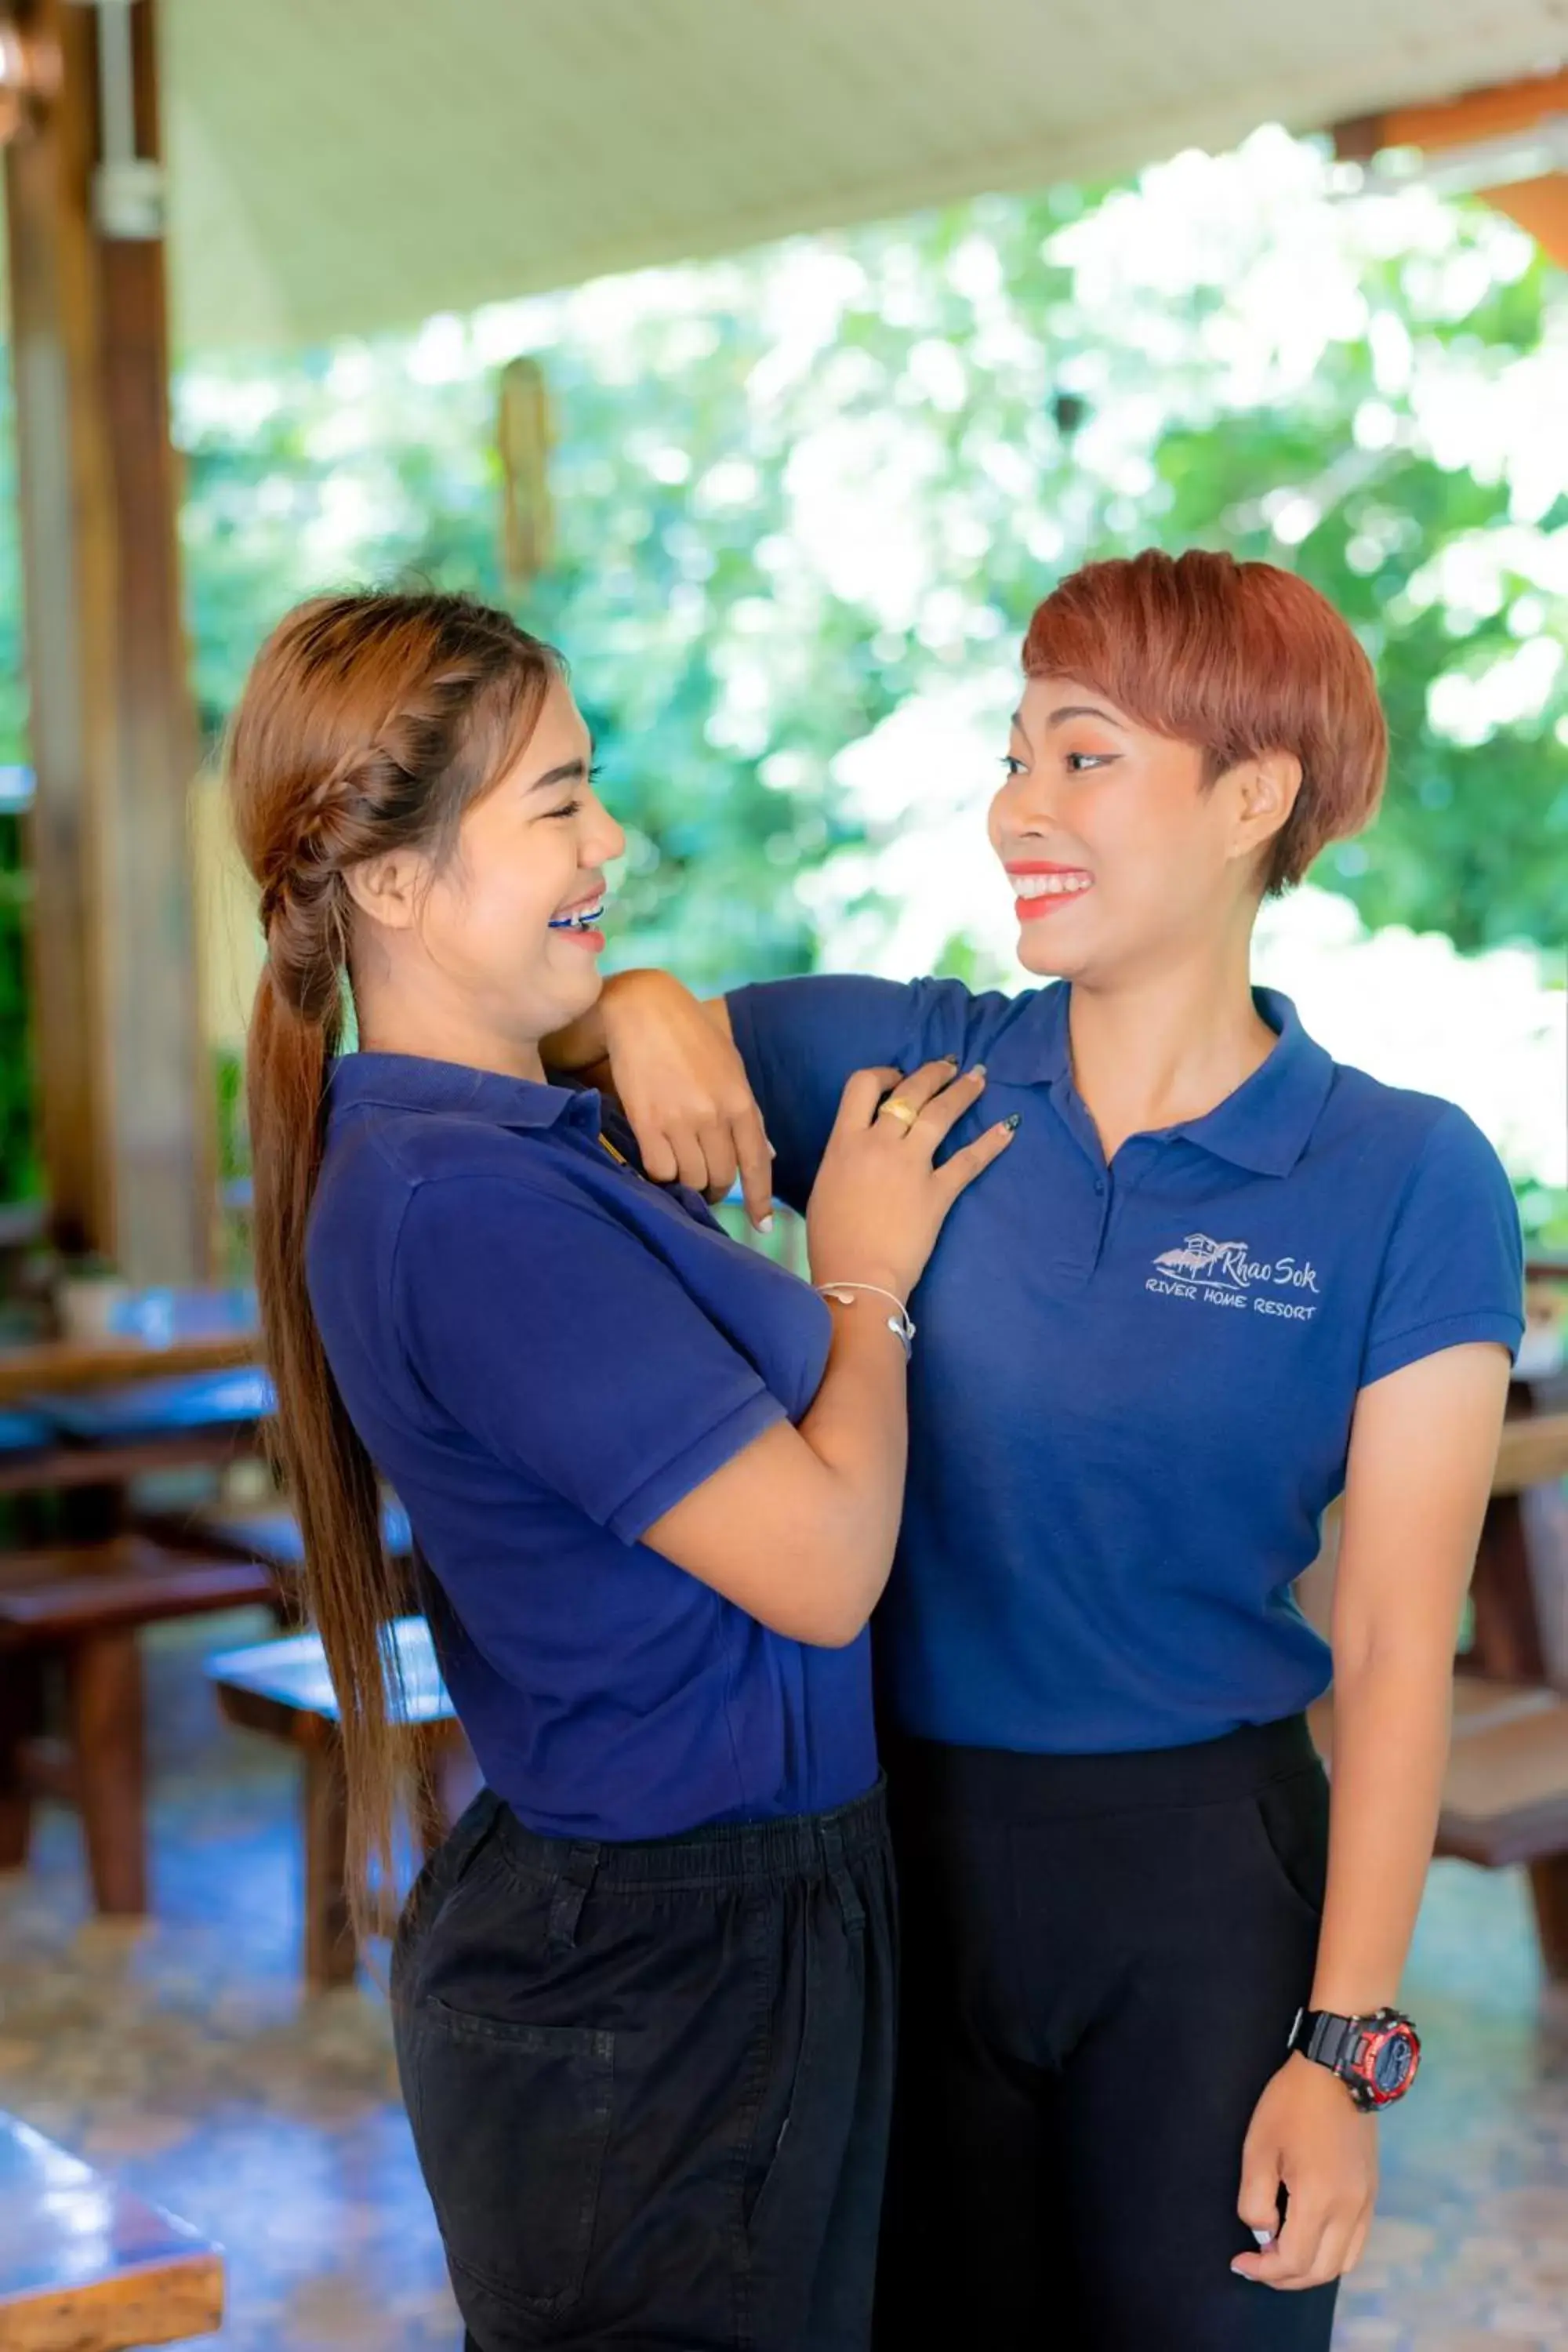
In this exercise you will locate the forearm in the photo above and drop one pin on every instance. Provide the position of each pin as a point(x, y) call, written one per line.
point(1392, 1712)
point(1422, 1449)
point(580, 1048)
point(858, 1428)
point(799, 1529)
point(587, 1046)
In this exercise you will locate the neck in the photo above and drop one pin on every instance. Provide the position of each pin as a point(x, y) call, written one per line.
point(1163, 1047)
point(402, 1021)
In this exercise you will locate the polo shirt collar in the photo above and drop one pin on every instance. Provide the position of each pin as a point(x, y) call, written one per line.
point(1267, 1124)
point(409, 1082)
point(1264, 1127)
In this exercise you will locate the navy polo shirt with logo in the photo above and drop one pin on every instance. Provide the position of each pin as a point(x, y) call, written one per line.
point(1133, 1386)
point(543, 1353)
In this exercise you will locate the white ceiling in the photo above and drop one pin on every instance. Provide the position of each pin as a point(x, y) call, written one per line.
point(338, 165)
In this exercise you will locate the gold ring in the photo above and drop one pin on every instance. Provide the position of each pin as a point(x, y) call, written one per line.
point(905, 1113)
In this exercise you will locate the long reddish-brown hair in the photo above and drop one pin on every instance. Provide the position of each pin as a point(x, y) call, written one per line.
point(1239, 659)
point(369, 724)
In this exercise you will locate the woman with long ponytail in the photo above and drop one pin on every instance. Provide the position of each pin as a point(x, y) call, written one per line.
point(643, 1995)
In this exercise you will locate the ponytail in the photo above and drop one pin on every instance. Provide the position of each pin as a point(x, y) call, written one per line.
point(353, 1592)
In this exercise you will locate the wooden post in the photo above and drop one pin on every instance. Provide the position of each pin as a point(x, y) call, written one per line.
point(126, 1116)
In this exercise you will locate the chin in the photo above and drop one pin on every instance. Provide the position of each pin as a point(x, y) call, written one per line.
point(587, 993)
point(560, 999)
point(1050, 959)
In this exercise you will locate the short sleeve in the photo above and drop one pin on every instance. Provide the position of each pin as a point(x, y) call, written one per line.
point(1454, 1268)
point(800, 1039)
point(547, 1330)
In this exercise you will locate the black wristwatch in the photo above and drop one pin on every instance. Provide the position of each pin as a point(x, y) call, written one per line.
point(1374, 2057)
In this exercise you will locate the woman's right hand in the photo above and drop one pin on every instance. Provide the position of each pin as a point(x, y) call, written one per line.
point(879, 1202)
point(684, 1090)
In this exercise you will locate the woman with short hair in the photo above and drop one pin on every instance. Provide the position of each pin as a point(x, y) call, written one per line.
point(1220, 1280)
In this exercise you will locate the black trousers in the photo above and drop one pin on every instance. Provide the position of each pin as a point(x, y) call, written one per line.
point(1102, 1958)
point(650, 2084)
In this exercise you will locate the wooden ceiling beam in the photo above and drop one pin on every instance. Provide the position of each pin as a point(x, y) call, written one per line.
point(1539, 205)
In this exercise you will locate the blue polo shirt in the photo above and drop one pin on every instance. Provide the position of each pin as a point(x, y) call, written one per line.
point(542, 1353)
point(1133, 1386)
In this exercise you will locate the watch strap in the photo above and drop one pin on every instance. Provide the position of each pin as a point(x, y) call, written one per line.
point(1328, 2040)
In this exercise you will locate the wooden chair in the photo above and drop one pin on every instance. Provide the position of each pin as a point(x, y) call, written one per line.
point(83, 1606)
point(283, 1689)
point(85, 2266)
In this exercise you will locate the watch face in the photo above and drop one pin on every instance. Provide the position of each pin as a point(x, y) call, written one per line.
point(1390, 2062)
point(1393, 2063)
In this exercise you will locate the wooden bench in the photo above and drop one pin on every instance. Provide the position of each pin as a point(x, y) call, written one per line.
point(283, 1689)
point(84, 1605)
point(85, 2266)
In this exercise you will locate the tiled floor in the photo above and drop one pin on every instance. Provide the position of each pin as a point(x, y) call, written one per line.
point(182, 2055)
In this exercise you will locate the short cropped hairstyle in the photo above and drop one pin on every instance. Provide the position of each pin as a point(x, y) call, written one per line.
point(1238, 659)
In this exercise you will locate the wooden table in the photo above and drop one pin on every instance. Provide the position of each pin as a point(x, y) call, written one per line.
point(87, 2267)
point(209, 1331)
point(200, 1333)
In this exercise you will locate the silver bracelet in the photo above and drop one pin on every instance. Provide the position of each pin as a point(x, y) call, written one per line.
point(899, 1324)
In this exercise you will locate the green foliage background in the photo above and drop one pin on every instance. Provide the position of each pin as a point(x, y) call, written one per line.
point(970, 370)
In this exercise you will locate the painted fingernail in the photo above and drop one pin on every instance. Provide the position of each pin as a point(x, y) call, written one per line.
point(948, 1057)
point(1264, 2237)
point(765, 1225)
point(978, 1071)
point(1011, 1123)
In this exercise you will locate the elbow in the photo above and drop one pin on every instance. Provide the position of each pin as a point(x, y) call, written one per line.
point(833, 1609)
point(836, 1630)
point(828, 1620)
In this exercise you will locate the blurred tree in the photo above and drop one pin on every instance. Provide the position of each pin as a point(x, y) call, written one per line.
point(793, 489)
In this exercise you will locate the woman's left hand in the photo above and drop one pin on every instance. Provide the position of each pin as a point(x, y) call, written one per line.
point(1309, 2137)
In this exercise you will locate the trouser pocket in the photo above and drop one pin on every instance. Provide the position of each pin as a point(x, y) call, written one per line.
point(1292, 1815)
point(510, 2123)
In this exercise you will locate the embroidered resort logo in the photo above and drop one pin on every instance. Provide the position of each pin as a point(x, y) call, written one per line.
point(1214, 1261)
point(1225, 1274)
